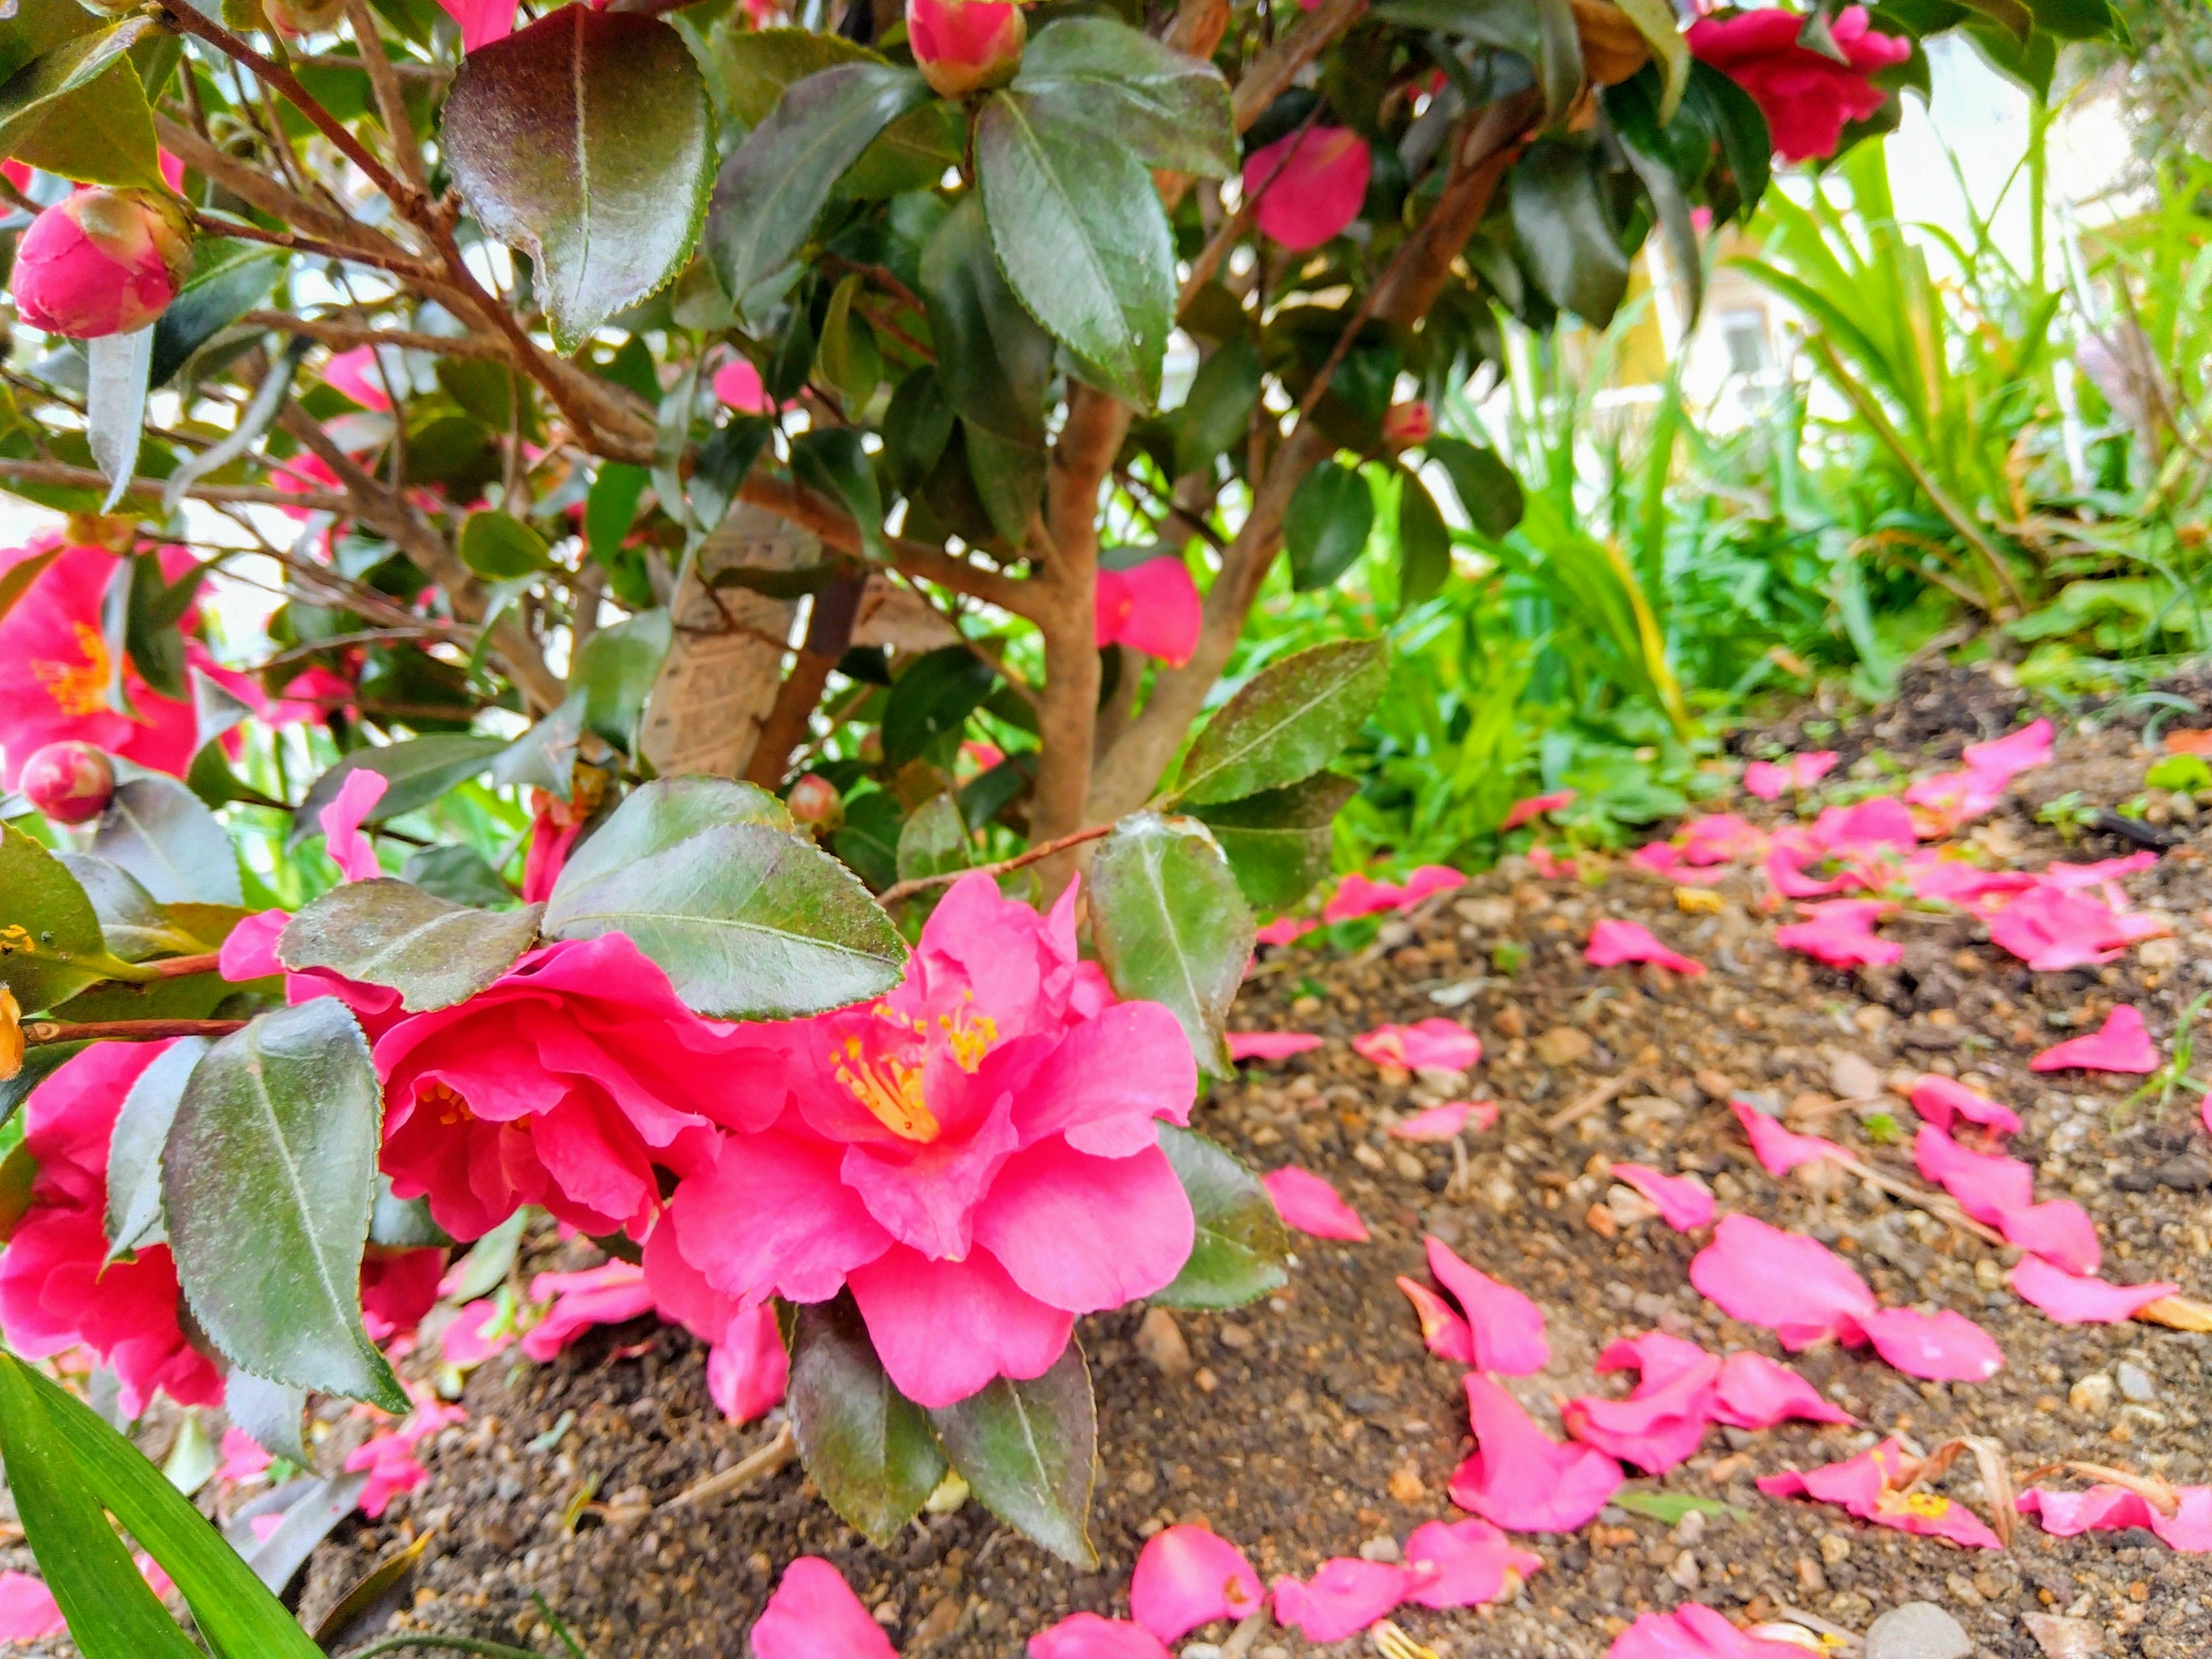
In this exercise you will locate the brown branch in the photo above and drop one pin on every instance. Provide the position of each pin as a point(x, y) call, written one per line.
point(1037, 855)
point(37, 1032)
point(391, 101)
point(239, 230)
point(56, 475)
point(814, 514)
point(1267, 76)
point(345, 335)
point(259, 190)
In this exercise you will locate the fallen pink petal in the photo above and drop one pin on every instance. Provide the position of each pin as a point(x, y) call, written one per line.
point(1768, 779)
point(1286, 930)
point(1271, 1045)
point(608, 1295)
point(1310, 1204)
point(1444, 1331)
point(1794, 1286)
point(1535, 806)
point(1521, 1479)
point(1684, 1202)
point(1446, 1122)
point(2187, 1527)
point(2081, 1299)
point(28, 1612)
point(1079, 1636)
point(814, 1613)
point(1432, 1044)
point(1720, 838)
point(1840, 932)
point(1944, 1346)
point(1693, 1631)
point(1465, 1564)
point(2121, 1044)
point(1612, 942)
point(1663, 1421)
point(1754, 1392)
point(1343, 1597)
point(1778, 1149)
point(1506, 1329)
point(1872, 1487)
point(1986, 1186)
point(1940, 1100)
point(1189, 1576)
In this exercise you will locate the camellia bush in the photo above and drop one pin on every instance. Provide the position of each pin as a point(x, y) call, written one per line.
point(821, 464)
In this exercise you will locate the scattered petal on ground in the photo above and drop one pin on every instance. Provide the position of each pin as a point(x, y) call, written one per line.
point(1868, 1487)
point(1663, 1420)
point(1343, 1597)
point(1442, 1330)
point(814, 1612)
point(605, 1295)
point(1505, 1327)
point(1087, 1636)
point(1793, 1285)
point(1778, 1149)
point(463, 1342)
point(2120, 1044)
point(1768, 779)
point(1465, 1564)
point(28, 1612)
point(1942, 1347)
point(1521, 1479)
point(2052, 930)
point(1754, 1392)
point(1840, 932)
point(1286, 930)
point(1941, 1099)
point(1433, 1044)
point(1684, 1202)
point(1444, 1122)
point(1187, 1576)
point(2078, 1298)
point(1271, 1045)
point(242, 1456)
point(1307, 1202)
point(2115, 1508)
point(1612, 942)
point(1721, 838)
point(1693, 1631)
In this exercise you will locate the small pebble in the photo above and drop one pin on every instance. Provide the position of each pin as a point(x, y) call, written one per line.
point(2091, 1395)
point(1385, 1548)
point(1918, 1630)
point(2135, 1382)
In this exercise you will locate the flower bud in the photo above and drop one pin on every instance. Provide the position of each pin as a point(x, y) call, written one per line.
point(964, 46)
point(816, 803)
point(71, 782)
point(1406, 425)
point(102, 262)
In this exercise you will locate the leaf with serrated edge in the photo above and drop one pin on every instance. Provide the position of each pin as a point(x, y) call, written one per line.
point(1029, 1449)
point(391, 934)
point(870, 1449)
point(163, 835)
point(1289, 721)
point(1168, 108)
point(268, 1181)
point(49, 931)
point(657, 815)
point(134, 1146)
point(1278, 842)
point(1240, 1244)
point(416, 773)
point(1171, 927)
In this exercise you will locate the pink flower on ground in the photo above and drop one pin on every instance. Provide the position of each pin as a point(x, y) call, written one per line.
point(1087, 1636)
point(1939, 1099)
point(1768, 779)
point(964, 46)
point(393, 1468)
point(242, 1456)
point(1754, 1392)
point(977, 1150)
point(1310, 1204)
point(1684, 1202)
point(1693, 1631)
point(814, 1614)
point(2052, 930)
point(481, 21)
point(2120, 1044)
point(1343, 1597)
point(1154, 607)
point(28, 1612)
point(1284, 930)
point(1506, 1328)
point(1550, 866)
point(608, 1295)
point(1270, 1045)
point(1840, 932)
point(564, 1084)
point(1187, 1576)
point(102, 262)
point(1720, 838)
point(2081, 1299)
point(1999, 1192)
point(464, 1342)
point(58, 1290)
point(1793, 1285)
point(1778, 1149)
point(1308, 185)
point(1464, 1563)
point(1806, 96)
point(1439, 1045)
point(2005, 758)
point(398, 1287)
point(2186, 1527)
point(1612, 942)
point(1519, 1477)
point(1870, 1485)
point(1445, 1122)
point(1660, 857)
point(738, 387)
point(1663, 1421)
point(1534, 805)
point(353, 853)
point(1357, 896)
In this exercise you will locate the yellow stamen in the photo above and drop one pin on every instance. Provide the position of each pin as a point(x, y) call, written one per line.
point(453, 1110)
point(889, 1089)
point(79, 689)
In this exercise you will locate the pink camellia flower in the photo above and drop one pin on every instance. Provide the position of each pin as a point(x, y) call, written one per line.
point(481, 21)
point(976, 1151)
point(563, 1084)
point(1153, 607)
point(1684, 1202)
point(814, 1614)
point(1536, 806)
point(1504, 1329)
point(2120, 1044)
point(1807, 97)
point(611, 1294)
point(1187, 1576)
point(1308, 185)
point(1447, 1122)
point(102, 262)
point(1405, 425)
point(1270, 1045)
point(1087, 1636)
point(70, 783)
point(2079, 1298)
point(965, 46)
point(737, 383)
point(359, 373)
point(1939, 1100)
point(1612, 942)
point(1840, 932)
point(1871, 1486)
point(353, 853)
point(1428, 1045)
point(55, 668)
point(1465, 1564)
point(1663, 1419)
point(1693, 1631)
point(555, 827)
point(1754, 1392)
point(398, 1287)
point(57, 1290)
point(748, 1369)
point(1778, 1149)
point(1768, 779)
point(1343, 1597)
point(2186, 1525)
point(1519, 1477)
point(1310, 1204)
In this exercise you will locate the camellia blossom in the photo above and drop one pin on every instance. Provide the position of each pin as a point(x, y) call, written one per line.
point(1693, 1631)
point(2186, 1526)
point(1428, 1045)
point(977, 1151)
point(556, 825)
point(1465, 1564)
point(738, 386)
point(353, 853)
point(1187, 1576)
point(1768, 779)
point(398, 1287)
point(1778, 1149)
point(1308, 185)
point(1271, 1045)
point(2079, 1299)
point(1684, 1202)
point(1446, 1122)
point(1519, 1477)
point(1663, 1421)
point(964, 46)
point(70, 783)
point(1153, 607)
point(1310, 1204)
point(1343, 1597)
point(2120, 1044)
point(1807, 96)
point(1612, 942)
point(102, 262)
point(1940, 1100)
point(814, 1613)
point(1840, 932)
point(748, 1369)
point(1535, 806)
point(1088, 1636)
point(481, 21)
point(1871, 1486)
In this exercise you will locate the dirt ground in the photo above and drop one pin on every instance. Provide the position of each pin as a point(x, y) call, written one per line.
point(1316, 1424)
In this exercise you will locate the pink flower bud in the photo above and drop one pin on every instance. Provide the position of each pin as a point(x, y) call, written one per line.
point(816, 803)
point(1406, 425)
point(102, 262)
point(964, 46)
point(70, 783)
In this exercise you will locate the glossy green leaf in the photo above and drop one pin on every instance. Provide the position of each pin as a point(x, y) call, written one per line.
point(17, 579)
point(1489, 492)
point(934, 842)
point(1655, 20)
point(500, 547)
point(1215, 416)
point(1028, 1450)
point(1279, 842)
point(50, 941)
point(1746, 147)
point(457, 874)
point(134, 1154)
point(1242, 1245)
point(848, 358)
point(386, 933)
point(1081, 239)
point(267, 1181)
point(933, 700)
point(746, 920)
point(164, 835)
point(870, 1449)
point(96, 127)
point(832, 461)
point(994, 363)
point(1558, 62)
point(417, 772)
point(268, 1412)
point(1643, 139)
point(868, 842)
point(1288, 721)
point(1171, 927)
point(587, 140)
point(1167, 108)
point(755, 67)
point(134, 926)
point(615, 671)
point(1567, 238)
point(775, 184)
point(1326, 526)
point(1424, 543)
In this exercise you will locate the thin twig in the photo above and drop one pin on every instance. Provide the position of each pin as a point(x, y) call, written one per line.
point(37, 1032)
point(907, 890)
point(62, 475)
point(748, 1472)
point(1589, 1103)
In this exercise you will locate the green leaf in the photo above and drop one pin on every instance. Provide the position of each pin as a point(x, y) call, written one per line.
point(161, 833)
point(1565, 236)
point(1326, 526)
point(849, 359)
point(417, 772)
point(756, 67)
point(1279, 842)
point(1081, 239)
point(775, 184)
point(934, 842)
point(16, 579)
point(133, 926)
point(268, 1412)
point(1215, 416)
point(500, 547)
point(1489, 492)
point(1424, 543)
point(80, 109)
point(615, 671)
point(51, 946)
point(932, 700)
point(1638, 125)
point(1655, 21)
point(1171, 927)
point(832, 461)
point(868, 1447)
point(1288, 721)
point(268, 1179)
point(1028, 1450)
point(1746, 148)
point(386, 933)
point(869, 841)
point(134, 1156)
point(746, 920)
point(456, 873)
point(992, 363)
point(611, 512)
point(1669, 1507)
point(1168, 109)
point(116, 365)
point(1242, 1245)
point(587, 140)
point(1558, 62)
point(111, 1613)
